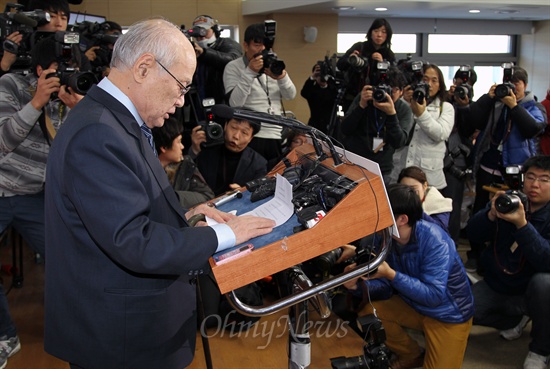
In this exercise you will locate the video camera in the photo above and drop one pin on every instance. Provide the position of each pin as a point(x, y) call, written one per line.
point(269, 57)
point(96, 34)
point(15, 20)
point(509, 201)
point(464, 89)
point(382, 81)
point(375, 353)
point(413, 72)
point(504, 89)
point(193, 32)
point(66, 46)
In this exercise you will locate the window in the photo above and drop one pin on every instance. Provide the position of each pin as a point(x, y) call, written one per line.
point(469, 44)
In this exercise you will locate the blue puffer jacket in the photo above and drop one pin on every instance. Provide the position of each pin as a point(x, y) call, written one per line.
point(528, 121)
point(430, 276)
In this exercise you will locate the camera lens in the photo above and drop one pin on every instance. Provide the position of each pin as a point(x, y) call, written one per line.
point(214, 131)
point(507, 203)
point(502, 91)
point(357, 61)
point(81, 82)
point(461, 92)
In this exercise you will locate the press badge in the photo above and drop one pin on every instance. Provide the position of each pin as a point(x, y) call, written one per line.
point(377, 144)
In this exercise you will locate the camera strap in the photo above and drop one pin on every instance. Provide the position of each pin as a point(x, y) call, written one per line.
point(266, 90)
point(45, 121)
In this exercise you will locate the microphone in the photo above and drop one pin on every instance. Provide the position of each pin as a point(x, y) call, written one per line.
point(23, 19)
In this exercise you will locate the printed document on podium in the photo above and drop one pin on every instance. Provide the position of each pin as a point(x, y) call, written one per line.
point(280, 207)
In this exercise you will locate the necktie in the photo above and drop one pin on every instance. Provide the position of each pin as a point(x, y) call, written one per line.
point(147, 132)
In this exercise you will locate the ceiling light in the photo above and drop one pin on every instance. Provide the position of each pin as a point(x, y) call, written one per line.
point(343, 8)
point(381, 9)
point(474, 11)
point(507, 11)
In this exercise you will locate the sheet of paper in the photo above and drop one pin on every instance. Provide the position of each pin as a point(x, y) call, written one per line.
point(280, 207)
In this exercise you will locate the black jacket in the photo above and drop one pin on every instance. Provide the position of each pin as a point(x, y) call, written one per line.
point(210, 66)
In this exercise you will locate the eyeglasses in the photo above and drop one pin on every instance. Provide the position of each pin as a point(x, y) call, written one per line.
point(533, 178)
point(183, 89)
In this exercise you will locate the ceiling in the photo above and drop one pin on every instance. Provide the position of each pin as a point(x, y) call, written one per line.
point(531, 10)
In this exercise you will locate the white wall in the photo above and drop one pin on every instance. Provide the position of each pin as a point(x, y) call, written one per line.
point(534, 56)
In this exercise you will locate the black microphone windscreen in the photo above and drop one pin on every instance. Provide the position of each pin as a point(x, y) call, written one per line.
point(222, 111)
point(23, 19)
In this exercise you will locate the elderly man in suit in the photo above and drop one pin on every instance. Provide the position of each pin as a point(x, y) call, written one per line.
point(121, 255)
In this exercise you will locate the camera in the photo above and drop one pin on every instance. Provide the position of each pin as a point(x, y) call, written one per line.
point(464, 89)
point(193, 32)
point(413, 72)
point(509, 201)
point(382, 82)
point(357, 61)
point(214, 131)
point(66, 45)
point(97, 34)
point(15, 20)
point(375, 353)
point(449, 161)
point(506, 86)
point(269, 57)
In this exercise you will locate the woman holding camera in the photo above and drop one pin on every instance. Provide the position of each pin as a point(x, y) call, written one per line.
point(359, 62)
point(433, 122)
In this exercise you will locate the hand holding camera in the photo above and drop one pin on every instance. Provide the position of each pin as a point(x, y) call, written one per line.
point(45, 87)
point(509, 206)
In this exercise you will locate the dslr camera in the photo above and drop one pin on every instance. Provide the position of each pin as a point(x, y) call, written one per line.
point(214, 131)
point(449, 161)
point(509, 201)
point(464, 89)
point(375, 353)
point(66, 45)
point(357, 61)
point(269, 57)
point(193, 32)
point(383, 82)
point(506, 86)
point(413, 72)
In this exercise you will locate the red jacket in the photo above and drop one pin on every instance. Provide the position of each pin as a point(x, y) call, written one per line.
point(545, 138)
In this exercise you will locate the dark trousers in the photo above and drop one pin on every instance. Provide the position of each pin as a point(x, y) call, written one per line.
point(454, 191)
point(482, 198)
point(493, 309)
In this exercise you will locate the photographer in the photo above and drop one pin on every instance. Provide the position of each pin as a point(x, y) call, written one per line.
point(59, 17)
point(459, 144)
point(320, 92)
point(509, 126)
point(517, 263)
point(100, 49)
point(250, 84)
point(359, 62)
point(228, 166)
point(422, 286)
point(29, 118)
point(213, 54)
point(375, 129)
point(433, 122)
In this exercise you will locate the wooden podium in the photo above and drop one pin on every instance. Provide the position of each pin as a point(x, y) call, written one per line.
point(363, 211)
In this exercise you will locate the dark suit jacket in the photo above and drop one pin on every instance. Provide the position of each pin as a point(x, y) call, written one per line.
point(120, 253)
point(251, 165)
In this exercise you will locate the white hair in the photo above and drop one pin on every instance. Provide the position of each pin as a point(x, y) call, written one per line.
point(155, 36)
